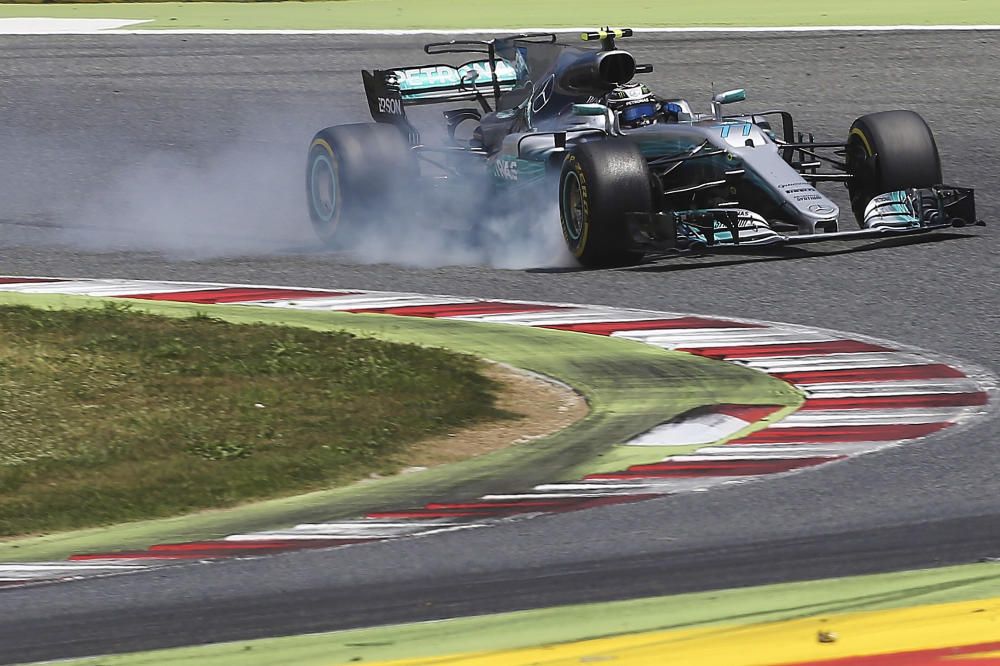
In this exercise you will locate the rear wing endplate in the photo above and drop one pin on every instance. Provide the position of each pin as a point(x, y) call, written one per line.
point(385, 102)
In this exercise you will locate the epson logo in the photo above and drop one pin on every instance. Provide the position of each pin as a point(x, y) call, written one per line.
point(390, 105)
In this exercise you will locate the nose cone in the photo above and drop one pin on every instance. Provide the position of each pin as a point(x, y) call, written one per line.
point(798, 200)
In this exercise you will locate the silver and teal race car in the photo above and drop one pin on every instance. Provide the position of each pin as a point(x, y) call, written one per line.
point(633, 173)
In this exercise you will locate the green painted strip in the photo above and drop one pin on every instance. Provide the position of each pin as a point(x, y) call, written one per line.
point(741, 606)
point(426, 14)
point(630, 387)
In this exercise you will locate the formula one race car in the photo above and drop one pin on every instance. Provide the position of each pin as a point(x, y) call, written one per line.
point(632, 172)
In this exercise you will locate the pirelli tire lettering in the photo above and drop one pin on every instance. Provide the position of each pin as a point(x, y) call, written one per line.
point(575, 213)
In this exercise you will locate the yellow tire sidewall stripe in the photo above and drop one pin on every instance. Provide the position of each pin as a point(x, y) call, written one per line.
point(855, 131)
point(322, 143)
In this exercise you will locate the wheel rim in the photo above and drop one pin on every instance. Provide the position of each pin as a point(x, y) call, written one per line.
point(574, 216)
point(323, 188)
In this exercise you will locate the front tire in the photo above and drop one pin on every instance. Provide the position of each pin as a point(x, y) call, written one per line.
point(888, 152)
point(356, 174)
point(599, 183)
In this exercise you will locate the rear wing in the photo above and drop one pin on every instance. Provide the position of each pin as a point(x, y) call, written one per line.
point(389, 91)
point(446, 83)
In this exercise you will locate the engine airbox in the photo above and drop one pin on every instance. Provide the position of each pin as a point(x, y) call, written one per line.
point(597, 73)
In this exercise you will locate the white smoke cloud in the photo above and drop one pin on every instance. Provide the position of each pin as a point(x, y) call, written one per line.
point(529, 237)
point(248, 198)
point(244, 199)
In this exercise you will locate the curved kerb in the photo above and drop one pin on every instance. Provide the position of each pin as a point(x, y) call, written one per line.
point(859, 395)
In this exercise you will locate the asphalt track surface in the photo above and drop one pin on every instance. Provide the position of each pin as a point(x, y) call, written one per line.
point(222, 119)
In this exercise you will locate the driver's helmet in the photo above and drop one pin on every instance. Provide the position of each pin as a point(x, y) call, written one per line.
point(634, 103)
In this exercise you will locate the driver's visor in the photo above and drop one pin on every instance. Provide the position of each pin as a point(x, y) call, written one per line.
point(636, 111)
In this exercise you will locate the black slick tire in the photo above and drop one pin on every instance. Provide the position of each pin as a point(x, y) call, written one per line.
point(600, 182)
point(356, 174)
point(887, 152)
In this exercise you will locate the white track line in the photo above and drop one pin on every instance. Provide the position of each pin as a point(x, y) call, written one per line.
point(834, 361)
point(725, 337)
point(292, 535)
point(633, 486)
point(903, 387)
point(602, 311)
point(29, 25)
point(508, 30)
point(582, 495)
point(100, 287)
point(850, 417)
point(555, 317)
point(62, 26)
point(359, 532)
point(361, 301)
point(786, 451)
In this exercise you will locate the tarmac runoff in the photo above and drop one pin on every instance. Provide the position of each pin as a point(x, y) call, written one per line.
point(917, 618)
point(860, 395)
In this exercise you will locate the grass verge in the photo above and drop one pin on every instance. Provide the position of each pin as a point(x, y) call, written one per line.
point(430, 14)
point(111, 415)
point(629, 386)
point(731, 611)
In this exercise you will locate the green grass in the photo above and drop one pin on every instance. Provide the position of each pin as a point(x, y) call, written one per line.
point(112, 415)
point(630, 387)
point(386, 14)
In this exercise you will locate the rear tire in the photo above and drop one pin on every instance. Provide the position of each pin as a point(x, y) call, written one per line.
point(356, 174)
point(599, 183)
point(887, 152)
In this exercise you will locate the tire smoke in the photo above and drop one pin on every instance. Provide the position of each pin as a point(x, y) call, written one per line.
point(242, 200)
point(247, 198)
point(468, 232)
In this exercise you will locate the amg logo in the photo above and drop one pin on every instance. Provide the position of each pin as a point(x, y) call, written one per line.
point(391, 106)
point(506, 169)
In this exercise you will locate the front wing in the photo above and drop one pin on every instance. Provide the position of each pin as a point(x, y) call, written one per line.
point(901, 213)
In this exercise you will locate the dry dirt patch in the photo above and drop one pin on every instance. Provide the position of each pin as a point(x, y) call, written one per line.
point(541, 406)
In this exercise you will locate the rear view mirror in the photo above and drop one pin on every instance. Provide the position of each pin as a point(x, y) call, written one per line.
point(730, 96)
